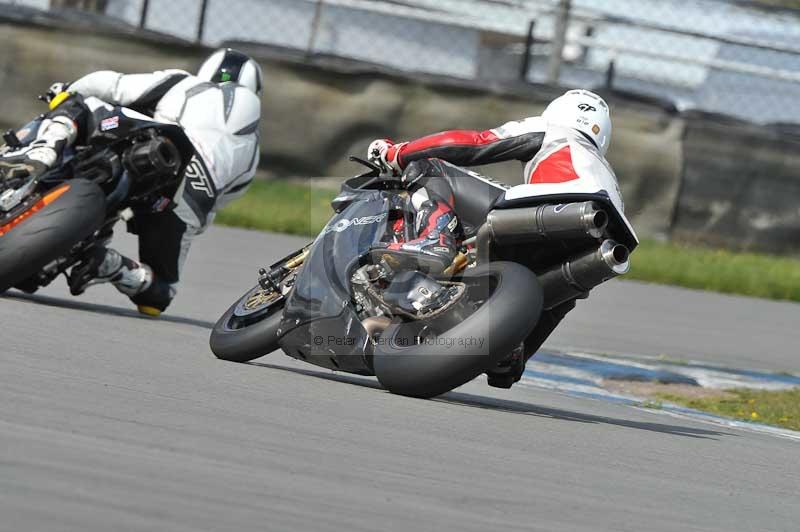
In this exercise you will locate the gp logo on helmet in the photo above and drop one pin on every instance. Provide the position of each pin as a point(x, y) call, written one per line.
point(586, 108)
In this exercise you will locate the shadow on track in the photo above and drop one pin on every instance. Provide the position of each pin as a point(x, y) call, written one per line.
point(366, 382)
point(515, 407)
point(102, 309)
point(506, 405)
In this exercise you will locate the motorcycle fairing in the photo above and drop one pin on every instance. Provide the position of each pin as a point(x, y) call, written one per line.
point(319, 321)
point(113, 123)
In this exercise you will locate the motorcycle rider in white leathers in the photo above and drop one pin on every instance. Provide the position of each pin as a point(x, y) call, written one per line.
point(569, 140)
point(219, 110)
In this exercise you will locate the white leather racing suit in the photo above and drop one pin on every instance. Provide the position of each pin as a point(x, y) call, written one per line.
point(222, 122)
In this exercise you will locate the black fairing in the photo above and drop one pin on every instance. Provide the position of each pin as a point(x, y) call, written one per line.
point(113, 125)
point(319, 322)
point(114, 134)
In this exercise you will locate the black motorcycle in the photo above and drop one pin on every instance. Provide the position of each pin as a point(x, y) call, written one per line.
point(128, 164)
point(526, 258)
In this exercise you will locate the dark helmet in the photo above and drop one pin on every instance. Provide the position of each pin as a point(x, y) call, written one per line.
point(227, 64)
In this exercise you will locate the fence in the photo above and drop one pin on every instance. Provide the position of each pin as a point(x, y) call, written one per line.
point(727, 56)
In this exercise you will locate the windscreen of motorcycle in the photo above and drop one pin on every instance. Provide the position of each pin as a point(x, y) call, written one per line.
point(322, 287)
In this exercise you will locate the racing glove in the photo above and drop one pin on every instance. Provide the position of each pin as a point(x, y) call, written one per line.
point(385, 153)
point(54, 90)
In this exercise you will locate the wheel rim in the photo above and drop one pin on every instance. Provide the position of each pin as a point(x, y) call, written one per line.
point(254, 306)
point(256, 300)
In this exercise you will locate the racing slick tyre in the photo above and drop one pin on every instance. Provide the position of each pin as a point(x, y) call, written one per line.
point(504, 302)
point(249, 329)
point(61, 218)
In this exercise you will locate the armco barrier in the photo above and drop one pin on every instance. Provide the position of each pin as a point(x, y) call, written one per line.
point(741, 186)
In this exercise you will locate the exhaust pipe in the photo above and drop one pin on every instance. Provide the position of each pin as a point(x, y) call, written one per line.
point(547, 222)
point(576, 277)
point(375, 325)
point(570, 221)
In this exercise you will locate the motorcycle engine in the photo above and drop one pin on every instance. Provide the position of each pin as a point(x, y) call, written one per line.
point(415, 293)
point(360, 281)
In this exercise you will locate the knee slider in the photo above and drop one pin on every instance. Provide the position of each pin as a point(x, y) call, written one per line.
point(158, 296)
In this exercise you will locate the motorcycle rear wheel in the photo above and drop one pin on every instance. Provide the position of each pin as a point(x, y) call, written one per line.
point(509, 302)
point(62, 217)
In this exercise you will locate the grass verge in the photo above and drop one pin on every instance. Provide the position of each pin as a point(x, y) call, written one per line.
point(280, 207)
point(780, 408)
point(748, 274)
point(303, 210)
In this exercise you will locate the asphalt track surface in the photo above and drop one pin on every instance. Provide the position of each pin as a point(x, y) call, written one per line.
point(114, 422)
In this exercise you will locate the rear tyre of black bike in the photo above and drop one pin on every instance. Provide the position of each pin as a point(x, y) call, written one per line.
point(410, 360)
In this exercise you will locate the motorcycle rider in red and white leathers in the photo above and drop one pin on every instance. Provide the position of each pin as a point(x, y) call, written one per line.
point(569, 140)
point(219, 109)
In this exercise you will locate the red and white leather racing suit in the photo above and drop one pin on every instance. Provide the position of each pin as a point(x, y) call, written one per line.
point(553, 156)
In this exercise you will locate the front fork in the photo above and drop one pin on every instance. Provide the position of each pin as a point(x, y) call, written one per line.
point(270, 280)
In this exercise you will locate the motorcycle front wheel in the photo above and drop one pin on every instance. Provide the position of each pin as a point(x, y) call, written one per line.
point(504, 302)
point(249, 328)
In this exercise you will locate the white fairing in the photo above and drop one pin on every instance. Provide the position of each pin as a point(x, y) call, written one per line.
point(593, 171)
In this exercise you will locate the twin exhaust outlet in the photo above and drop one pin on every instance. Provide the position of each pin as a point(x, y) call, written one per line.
point(572, 221)
point(577, 276)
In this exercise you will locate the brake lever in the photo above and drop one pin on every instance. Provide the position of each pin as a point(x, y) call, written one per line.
point(378, 169)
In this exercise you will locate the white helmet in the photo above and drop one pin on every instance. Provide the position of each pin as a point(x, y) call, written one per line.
point(585, 111)
point(227, 64)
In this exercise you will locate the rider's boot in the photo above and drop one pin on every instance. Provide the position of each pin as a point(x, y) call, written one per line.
point(41, 155)
point(150, 294)
point(435, 246)
point(103, 265)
